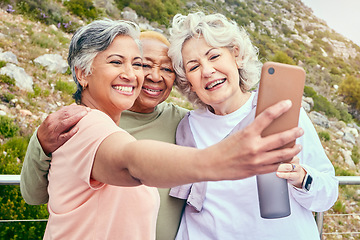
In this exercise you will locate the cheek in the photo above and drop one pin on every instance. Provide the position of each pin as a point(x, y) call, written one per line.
point(140, 78)
point(192, 78)
point(194, 82)
point(169, 82)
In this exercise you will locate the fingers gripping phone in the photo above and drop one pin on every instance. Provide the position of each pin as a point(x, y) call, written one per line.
point(278, 82)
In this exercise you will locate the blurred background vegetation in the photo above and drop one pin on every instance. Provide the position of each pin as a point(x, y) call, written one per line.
point(333, 81)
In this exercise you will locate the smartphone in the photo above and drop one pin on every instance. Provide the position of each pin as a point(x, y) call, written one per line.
point(278, 82)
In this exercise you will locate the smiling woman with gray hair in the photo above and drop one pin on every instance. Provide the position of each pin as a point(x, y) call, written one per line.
point(99, 35)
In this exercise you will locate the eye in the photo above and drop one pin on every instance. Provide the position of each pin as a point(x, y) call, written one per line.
point(212, 57)
point(145, 65)
point(116, 62)
point(137, 65)
point(169, 70)
point(193, 68)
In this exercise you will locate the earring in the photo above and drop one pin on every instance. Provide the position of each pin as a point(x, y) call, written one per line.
point(84, 87)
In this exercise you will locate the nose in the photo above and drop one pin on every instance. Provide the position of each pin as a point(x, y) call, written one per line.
point(155, 75)
point(128, 72)
point(207, 70)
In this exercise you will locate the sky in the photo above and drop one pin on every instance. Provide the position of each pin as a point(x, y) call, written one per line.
point(341, 15)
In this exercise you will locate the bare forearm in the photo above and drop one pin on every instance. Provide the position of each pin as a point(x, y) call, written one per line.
point(123, 161)
point(166, 165)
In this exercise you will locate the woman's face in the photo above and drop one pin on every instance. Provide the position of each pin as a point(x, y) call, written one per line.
point(116, 78)
point(159, 76)
point(213, 74)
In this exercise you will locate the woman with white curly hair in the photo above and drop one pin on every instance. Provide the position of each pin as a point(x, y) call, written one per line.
point(217, 66)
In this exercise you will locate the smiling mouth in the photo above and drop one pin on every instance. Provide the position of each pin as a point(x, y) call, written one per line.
point(152, 92)
point(125, 89)
point(215, 83)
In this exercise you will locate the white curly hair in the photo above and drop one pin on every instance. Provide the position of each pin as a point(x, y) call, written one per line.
point(217, 31)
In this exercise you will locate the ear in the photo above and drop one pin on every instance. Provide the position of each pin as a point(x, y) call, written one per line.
point(238, 58)
point(81, 76)
point(191, 87)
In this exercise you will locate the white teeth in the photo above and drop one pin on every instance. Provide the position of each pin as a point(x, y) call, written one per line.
point(213, 84)
point(152, 90)
point(123, 89)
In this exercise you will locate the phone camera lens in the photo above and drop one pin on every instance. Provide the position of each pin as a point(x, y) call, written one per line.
point(271, 70)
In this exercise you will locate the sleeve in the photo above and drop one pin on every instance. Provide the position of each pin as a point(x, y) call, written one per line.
point(33, 180)
point(80, 150)
point(193, 192)
point(183, 138)
point(324, 189)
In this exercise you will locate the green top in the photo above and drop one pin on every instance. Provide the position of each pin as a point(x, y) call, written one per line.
point(159, 125)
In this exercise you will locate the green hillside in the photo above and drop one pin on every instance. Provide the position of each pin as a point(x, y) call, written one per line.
point(283, 31)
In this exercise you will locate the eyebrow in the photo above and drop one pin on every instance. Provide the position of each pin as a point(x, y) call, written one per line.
point(115, 55)
point(210, 50)
point(149, 59)
point(121, 56)
point(207, 53)
point(154, 60)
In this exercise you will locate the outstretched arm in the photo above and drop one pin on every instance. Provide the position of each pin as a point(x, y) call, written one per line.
point(57, 128)
point(152, 163)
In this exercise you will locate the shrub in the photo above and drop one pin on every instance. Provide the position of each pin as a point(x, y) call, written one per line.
point(7, 97)
point(38, 92)
point(282, 57)
point(12, 205)
point(321, 104)
point(68, 71)
point(325, 136)
point(339, 207)
point(47, 12)
point(18, 146)
point(2, 63)
point(66, 87)
point(344, 112)
point(309, 91)
point(43, 40)
point(350, 90)
point(85, 9)
point(340, 171)
point(8, 80)
point(355, 154)
point(335, 71)
point(8, 128)
point(151, 9)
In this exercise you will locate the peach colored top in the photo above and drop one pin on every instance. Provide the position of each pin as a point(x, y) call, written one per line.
point(82, 208)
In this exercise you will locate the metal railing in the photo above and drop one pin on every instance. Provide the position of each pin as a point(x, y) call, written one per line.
point(319, 216)
point(9, 179)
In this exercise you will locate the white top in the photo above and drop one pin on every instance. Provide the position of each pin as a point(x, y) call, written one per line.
point(231, 208)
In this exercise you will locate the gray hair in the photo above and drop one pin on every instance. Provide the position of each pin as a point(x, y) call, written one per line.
point(217, 31)
point(93, 38)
